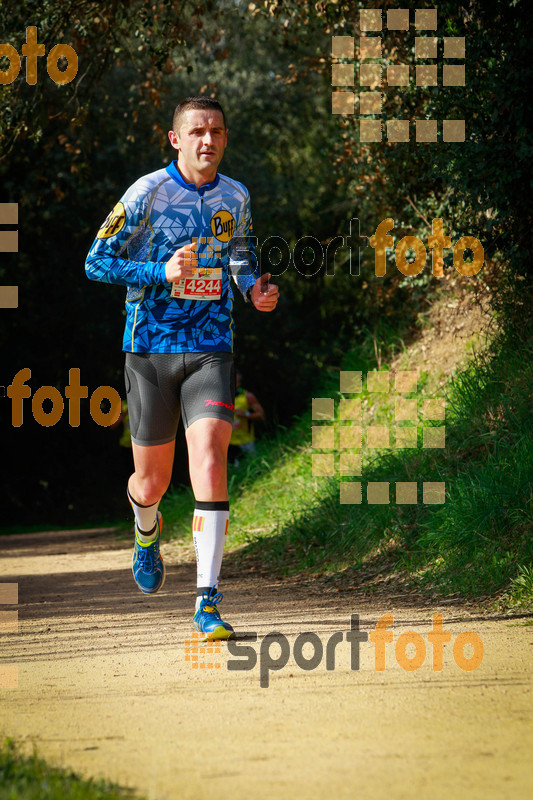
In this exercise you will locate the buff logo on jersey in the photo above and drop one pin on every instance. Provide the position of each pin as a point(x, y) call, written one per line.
point(114, 222)
point(222, 225)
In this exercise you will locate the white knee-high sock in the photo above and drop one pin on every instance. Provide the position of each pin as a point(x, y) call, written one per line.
point(145, 517)
point(209, 528)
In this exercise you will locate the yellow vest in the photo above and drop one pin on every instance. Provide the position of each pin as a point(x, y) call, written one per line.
point(245, 431)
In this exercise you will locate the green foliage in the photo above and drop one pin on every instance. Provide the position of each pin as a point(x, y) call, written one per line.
point(31, 778)
point(104, 36)
point(477, 543)
point(477, 187)
point(68, 152)
point(520, 592)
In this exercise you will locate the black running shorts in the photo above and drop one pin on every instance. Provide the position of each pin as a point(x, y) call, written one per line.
point(161, 385)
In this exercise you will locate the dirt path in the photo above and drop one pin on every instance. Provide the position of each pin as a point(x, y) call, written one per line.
point(104, 687)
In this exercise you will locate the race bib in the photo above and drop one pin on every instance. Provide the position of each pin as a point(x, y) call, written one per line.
point(207, 286)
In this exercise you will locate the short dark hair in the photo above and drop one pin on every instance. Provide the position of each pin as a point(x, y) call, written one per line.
point(201, 103)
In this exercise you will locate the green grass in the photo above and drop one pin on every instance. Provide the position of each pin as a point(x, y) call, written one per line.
point(31, 778)
point(477, 544)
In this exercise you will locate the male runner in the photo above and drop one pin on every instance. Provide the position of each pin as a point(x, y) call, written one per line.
point(173, 240)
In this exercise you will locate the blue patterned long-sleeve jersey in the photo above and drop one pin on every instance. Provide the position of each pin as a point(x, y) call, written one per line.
point(157, 215)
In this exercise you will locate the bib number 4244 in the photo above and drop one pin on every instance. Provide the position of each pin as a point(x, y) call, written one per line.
point(197, 289)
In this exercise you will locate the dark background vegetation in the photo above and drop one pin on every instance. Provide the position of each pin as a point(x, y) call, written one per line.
point(69, 152)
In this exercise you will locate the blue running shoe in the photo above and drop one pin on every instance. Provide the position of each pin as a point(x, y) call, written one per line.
point(148, 567)
point(207, 619)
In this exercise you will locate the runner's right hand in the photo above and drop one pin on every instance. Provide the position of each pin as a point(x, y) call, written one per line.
point(181, 263)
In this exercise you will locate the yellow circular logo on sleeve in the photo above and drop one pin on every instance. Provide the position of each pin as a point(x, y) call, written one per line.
point(114, 222)
point(222, 225)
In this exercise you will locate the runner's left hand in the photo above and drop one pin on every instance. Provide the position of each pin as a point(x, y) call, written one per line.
point(264, 301)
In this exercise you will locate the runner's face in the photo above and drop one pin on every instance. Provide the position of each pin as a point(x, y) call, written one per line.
point(201, 141)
